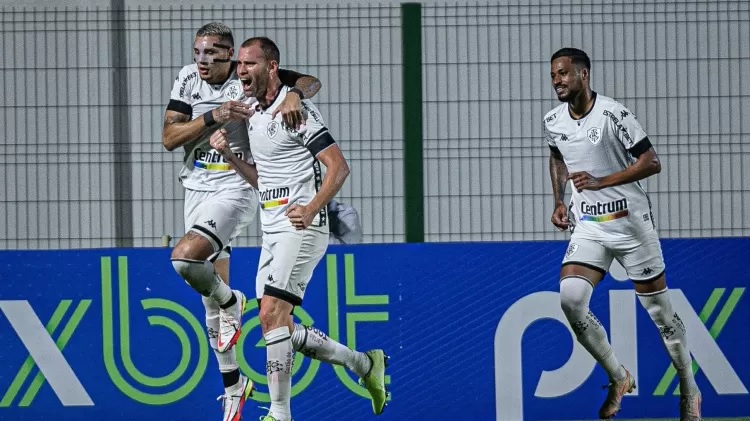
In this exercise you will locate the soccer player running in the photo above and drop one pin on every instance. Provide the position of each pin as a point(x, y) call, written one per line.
point(598, 145)
point(293, 196)
point(218, 203)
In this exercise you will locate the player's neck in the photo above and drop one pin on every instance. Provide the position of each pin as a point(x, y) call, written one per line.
point(582, 104)
point(223, 77)
point(274, 88)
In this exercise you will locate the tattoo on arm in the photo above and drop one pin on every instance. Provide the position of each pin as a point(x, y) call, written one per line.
point(172, 118)
point(558, 172)
point(178, 130)
point(309, 85)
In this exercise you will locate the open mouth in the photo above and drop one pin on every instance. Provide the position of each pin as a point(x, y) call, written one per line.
point(203, 71)
point(246, 84)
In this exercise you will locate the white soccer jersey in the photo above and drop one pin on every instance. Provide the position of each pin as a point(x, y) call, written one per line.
point(603, 142)
point(285, 159)
point(204, 168)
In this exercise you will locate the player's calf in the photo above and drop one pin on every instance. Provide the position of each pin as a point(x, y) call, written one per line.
point(575, 295)
point(314, 343)
point(228, 365)
point(673, 333)
point(274, 315)
point(230, 320)
point(369, 366)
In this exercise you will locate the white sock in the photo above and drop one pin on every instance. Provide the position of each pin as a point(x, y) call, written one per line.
point(672, 330)
point(279, 361)
point(227, 360)
point(315, 344)
point(575, 294)
point(221, 293)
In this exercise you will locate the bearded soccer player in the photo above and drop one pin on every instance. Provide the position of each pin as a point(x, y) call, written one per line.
point(218, 203)
point(294, 193)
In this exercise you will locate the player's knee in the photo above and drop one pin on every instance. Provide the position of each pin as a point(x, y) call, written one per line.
point(272, 315)
point(656, 312)
point(183, 250)
point(655, 309)
point(192, 247)
point(183, 267)
point(568, 304)
point(574, 295)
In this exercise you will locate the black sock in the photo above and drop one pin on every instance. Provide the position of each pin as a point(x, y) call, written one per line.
point(232, 301)
point(230, 379)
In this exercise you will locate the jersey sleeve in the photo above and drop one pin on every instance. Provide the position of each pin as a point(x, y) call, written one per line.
point(315, 135)
point(627, 128)
point(181, 97)
point(547, 136)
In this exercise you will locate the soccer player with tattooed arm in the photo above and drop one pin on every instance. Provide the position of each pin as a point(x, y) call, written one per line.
point(598, 146)
point(206, 97)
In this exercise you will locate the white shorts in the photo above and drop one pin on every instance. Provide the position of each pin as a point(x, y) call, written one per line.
point(286, 264)
point(220, 216)
point(641, 257)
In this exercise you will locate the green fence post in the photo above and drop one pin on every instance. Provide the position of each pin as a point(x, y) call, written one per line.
point(411, 50)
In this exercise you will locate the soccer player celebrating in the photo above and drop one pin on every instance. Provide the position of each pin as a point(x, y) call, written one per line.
point(293, 195)
point(598, 145)
point(218, 203)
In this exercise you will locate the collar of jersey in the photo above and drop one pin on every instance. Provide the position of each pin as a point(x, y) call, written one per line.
point(596, 96)
point(276, 98)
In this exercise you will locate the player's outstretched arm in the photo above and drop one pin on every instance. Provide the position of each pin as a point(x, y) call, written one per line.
point(337, 170)
point(247, 170)
point(558, 173)
point(646, 165)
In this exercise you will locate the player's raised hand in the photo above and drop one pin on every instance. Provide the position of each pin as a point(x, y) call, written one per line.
point(300, 216)
point(219, 140)
point(585, 181)
point(560, 217)
point(291, 111)
point(232, 110)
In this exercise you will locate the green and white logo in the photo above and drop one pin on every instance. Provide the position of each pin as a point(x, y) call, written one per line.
point(45, 343)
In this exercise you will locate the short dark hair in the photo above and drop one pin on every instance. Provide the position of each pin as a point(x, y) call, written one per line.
point(216, 29)
point(578, 57)
point(270, 50)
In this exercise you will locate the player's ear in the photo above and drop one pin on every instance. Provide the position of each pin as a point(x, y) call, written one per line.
point(231, 53)
point(584, 73)
point(273, 67)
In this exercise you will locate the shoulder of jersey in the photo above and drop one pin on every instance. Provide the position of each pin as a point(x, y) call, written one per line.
point(608, 103)
point(188, 69)
point(555, 113)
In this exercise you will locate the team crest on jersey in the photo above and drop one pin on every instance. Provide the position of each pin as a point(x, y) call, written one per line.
point(572, 248)
point(273, 128)
point(595, 135)
point(233, 92)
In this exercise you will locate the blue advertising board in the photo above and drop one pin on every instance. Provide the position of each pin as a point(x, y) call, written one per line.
point(474, 331)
